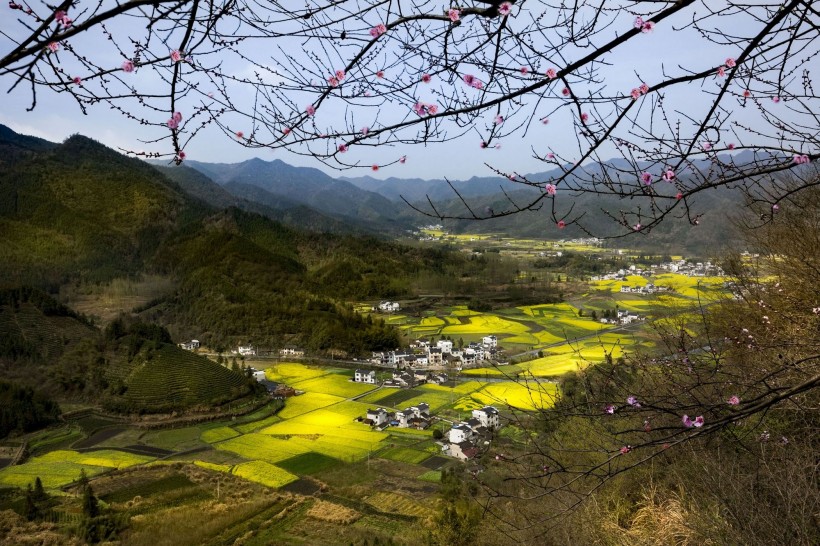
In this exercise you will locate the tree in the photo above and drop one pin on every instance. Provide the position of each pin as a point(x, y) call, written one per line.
point(39, 492)
point(91, 507)
point(332, 80)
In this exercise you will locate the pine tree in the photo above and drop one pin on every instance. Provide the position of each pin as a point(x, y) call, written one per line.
point(91, 507)
point(39, 492)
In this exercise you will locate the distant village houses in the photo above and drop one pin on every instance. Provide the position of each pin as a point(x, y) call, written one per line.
point(462, 440)
point(192, 345)
point(388, 306)
point(365, 376)
point(245, 350)
point(291, 351)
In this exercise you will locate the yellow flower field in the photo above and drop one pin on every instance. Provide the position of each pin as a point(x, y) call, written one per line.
point(264, 473)
point(298, 405)
point(335, 384)
point(218, 434)
point(61, 467)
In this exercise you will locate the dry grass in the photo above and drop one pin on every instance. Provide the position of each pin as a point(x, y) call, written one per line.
point(333, 513)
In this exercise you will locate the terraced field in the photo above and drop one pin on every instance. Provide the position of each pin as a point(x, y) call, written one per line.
point(173, 378)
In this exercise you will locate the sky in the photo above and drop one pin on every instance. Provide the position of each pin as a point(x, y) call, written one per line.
point(57, 116)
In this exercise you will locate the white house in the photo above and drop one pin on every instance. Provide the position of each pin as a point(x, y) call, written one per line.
point(291, 351)
point(445, 345)
point(489, 341)
point(488, 416)
point(459, 433)
point(434, 357)
point(463, 450)
point(365, 376)
point(389, 306)
point(246, 350)
point(192, 345)
point(259, 375)
point(378, 416)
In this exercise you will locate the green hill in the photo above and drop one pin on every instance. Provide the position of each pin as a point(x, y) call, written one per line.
point(166, 378)
point(83, 214)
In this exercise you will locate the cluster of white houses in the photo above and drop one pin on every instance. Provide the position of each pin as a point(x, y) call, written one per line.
point(422, 354)
point(682, 267)
point(623, 317)
point(387, 307)
point(463, 439)
point(401, 379)
point(417, 416)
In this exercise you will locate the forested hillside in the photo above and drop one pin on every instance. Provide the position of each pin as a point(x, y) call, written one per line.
point(81, 214)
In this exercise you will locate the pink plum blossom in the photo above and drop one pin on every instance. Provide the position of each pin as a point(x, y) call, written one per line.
point(698, 422)
point(545, 120)
point(561, 224)
point(333, 81)
point(584, 117)
point(610, 409)
point(646, 178)
point(730, 62)
point(177, 116)
point(454, 15)
point(637, 227)
point(498, 120)
point(733, 401)
point(482, 145)
point(380, 74)
point(365, 130)
point(128, 66)
point(342, 148)
point(550, 155)
point(310, 110)
point(635, 93)
point(340, 75)
point(403, 159)
point(374, 167)
point(426, 78)
point(626, 449)
point(468, 79)
point(747, 93)
point(775, 207)
point(181, 155)
point(687, 422)
point(550, 189)
point(53, 46)
point(638, 22)
point(176, 56)
point(707, 146)
point(800, 159)
point(77, 80)
point(172, 123)
point(632, 401)
point(775, 99)
point(565, 91)
point(378, 30)
point(524, 70)
point(551, 74)
point(240, 134)
point(504, 8)
point(648, 27)
point(721, 72)
point(669, 175)
point(731, 146)
point(643, 88)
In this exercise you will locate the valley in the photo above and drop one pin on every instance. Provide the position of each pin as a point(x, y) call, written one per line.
point(343, 387)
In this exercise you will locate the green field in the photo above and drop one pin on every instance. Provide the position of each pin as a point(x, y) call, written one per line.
point(61, 467)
